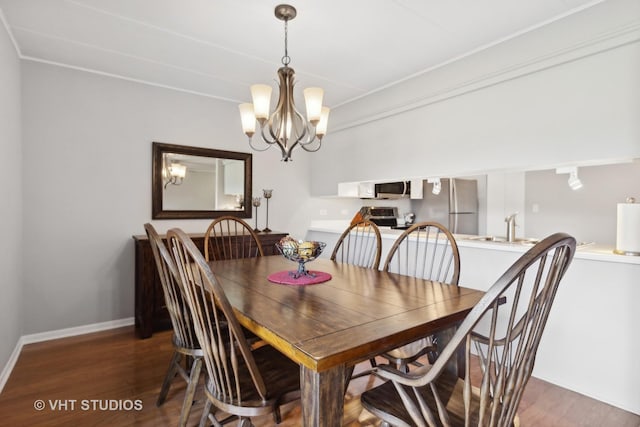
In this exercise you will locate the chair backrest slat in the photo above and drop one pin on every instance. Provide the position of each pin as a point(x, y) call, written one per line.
point(360, 244)
point(177, 307)
point(229, 237)
point(505, 336)
point(503, 330)
point(426, 250)
point(226, 351)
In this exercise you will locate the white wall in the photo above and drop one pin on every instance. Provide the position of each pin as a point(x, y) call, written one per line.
point(87, 188)
point(590, 213)
point(568, 92)
point(505, 196)
point(11, 310)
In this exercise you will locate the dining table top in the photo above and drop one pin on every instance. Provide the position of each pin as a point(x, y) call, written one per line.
point(352, 317)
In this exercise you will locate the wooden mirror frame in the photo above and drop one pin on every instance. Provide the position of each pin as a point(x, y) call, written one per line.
point(158, 151)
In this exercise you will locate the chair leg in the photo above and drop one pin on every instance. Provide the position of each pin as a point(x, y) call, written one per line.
point(277, 417)
point(205, 413)
point(171, 373)
point(190, 392)
point(347, 377)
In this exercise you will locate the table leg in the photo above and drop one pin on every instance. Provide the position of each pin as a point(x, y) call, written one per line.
point(456, 365)
point(322, 396)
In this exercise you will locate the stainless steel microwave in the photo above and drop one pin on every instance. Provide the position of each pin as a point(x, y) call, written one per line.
point(384, 190)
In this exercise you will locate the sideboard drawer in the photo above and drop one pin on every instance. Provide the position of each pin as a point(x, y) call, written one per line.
point(150, 311)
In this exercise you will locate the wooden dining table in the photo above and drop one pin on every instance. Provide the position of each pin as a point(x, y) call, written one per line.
point(329, 327)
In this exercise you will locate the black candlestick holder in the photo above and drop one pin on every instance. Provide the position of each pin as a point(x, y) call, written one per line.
point(256, 204)
point(267, 195)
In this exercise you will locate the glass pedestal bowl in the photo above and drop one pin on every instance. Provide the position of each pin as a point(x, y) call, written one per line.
point(300, 252)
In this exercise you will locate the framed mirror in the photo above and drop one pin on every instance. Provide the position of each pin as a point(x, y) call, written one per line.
point(192, 182)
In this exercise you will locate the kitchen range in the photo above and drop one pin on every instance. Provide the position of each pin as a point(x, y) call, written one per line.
point(387, 216)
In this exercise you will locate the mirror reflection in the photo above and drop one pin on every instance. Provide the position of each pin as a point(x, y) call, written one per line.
point(192, 182)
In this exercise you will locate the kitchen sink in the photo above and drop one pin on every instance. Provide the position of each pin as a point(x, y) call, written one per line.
point(497, 239)
point(518, 241)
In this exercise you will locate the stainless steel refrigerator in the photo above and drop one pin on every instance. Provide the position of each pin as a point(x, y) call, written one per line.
point(455, 207)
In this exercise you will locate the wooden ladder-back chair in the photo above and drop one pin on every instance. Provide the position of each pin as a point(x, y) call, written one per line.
point(360, 244)
point(240, 382)
point(505, 336)
point(426, 250)
point(229, 237)
point(185, 343)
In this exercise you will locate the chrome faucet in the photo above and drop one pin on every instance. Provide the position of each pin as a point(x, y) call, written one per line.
point(511, 227)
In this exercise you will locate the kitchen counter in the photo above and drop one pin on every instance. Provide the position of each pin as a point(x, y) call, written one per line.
point(590, 251)
point(592, 326)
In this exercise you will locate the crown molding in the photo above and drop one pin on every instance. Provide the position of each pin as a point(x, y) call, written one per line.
point(602, 42)
point(5, 24)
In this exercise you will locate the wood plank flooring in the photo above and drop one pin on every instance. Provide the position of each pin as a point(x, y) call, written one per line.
point(112, 378)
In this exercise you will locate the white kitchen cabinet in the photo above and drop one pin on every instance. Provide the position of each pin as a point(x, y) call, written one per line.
point(348, 189)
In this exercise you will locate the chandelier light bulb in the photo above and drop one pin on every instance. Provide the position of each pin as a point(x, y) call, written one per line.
point(177, 170)
point(261, 95)
point(321, 127)
point(175, 173)
point(248, 119)
point(313, 102)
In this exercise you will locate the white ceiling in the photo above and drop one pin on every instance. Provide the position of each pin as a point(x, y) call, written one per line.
point(218, 48)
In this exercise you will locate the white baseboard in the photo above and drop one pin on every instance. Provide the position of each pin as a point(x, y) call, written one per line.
point(6, 371)
point(78, 330)
point(52, 335)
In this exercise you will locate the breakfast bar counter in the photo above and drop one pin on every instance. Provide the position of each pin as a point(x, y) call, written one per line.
point(592, 327)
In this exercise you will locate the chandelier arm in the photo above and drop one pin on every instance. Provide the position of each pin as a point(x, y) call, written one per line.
point(286, 153)
point(258, 149)
point(275, 140)
point(310, 131)
point(287, 148)
point(264, 136)
point(311, 150)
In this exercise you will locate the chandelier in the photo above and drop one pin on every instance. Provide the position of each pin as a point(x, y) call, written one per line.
point(174, 174)
point(285, 127)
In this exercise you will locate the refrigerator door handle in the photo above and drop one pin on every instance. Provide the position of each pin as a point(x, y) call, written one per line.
point(453, 200)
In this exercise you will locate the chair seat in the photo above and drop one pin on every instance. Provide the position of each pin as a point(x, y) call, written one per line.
point(278, 372)
point(384, 401)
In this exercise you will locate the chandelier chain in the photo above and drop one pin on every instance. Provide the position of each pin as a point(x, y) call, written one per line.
point(286, 59)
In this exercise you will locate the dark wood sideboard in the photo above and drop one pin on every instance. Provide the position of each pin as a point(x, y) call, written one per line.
point(150, 310)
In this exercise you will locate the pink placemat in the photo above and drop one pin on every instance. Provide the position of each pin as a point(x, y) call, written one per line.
point(284, 278)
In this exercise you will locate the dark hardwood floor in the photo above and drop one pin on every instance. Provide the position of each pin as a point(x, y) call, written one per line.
point(112, 379)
